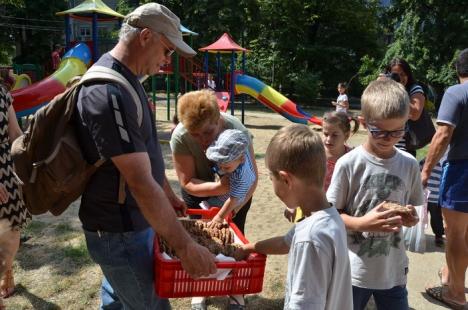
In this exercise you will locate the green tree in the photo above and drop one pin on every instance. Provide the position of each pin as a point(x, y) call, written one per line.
point(326, 39)
point(32, 27)
point(7, 42)
point(293, 43)
point(427, 34)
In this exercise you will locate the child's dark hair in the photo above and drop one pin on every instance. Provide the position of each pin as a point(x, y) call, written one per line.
point(343, 85)
point(342, 120)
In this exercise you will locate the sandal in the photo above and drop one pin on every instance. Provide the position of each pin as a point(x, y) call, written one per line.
point(436, 292)
point(7, 284)
point(237, 305)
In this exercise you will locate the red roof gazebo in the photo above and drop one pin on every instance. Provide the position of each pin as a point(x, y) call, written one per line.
point(225, 44)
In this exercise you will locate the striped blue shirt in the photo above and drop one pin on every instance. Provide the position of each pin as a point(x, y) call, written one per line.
point(433, 182)
point(241, 180)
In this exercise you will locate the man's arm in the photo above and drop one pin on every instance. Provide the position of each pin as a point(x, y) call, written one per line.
point(156, 208)
point(185, 168)
point(178, 204)
point(437, 148)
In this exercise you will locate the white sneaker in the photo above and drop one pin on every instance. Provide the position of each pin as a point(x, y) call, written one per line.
point(198, 303)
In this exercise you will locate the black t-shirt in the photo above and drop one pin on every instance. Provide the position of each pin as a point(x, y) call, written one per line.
point(107, 126)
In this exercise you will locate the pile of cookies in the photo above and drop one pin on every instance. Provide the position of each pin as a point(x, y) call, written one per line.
point(218, 239)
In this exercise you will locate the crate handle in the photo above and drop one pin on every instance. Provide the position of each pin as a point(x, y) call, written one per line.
point(209, 213)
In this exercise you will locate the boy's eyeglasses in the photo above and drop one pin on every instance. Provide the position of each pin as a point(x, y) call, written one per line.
point(382, 134)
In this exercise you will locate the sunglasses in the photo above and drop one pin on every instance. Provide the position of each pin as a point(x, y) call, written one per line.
point(382, 134)
point(169, 51)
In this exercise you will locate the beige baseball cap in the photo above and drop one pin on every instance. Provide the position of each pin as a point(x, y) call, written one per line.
point(160, 19)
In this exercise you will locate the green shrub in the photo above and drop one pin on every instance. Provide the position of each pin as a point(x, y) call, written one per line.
point(307, 86)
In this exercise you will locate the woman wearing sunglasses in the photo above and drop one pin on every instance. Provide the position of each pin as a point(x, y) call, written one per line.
point(399, 67)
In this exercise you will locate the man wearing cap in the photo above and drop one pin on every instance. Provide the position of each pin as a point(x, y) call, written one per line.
point(119, 229)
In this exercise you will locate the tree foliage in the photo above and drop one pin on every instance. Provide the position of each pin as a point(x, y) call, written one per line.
point(32, 28)
point(303, 47)
point(292, 42)
point(427, 34)
point(6, 35)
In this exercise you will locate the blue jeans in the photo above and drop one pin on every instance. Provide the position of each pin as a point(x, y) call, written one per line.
point(126, 260)
point(395, 298)
point(109, 299)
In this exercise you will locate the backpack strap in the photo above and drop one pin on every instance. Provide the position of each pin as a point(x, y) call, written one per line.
point(100, 73)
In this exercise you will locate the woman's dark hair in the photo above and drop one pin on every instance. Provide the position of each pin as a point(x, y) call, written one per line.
point(343, 121)
point(461, 65)
point(343, 84)
point(405, 67)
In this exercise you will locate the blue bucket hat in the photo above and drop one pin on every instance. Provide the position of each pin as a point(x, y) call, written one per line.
point(229, 145)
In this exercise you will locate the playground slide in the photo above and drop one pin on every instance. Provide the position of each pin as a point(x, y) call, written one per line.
point(21, 81)
point(245, 84)
point(29, 99)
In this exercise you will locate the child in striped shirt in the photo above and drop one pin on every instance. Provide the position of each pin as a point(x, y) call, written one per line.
point(433, 205)
point(231, 156)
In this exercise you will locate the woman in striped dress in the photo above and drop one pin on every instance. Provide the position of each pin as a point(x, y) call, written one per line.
point(13, 214)
point(415, 92)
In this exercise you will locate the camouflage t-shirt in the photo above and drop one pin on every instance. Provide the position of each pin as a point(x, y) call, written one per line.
point(359, 183)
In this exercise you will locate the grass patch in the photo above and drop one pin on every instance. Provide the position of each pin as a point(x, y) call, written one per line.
point(78, 253)
point(63, 228)
point(35, 228)
point(65, 232)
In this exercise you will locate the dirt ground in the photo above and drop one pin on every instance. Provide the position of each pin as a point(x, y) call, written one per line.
point(54, 271)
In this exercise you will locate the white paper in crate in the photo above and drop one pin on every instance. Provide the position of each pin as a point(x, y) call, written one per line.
point(221, 273)
point(414, 237)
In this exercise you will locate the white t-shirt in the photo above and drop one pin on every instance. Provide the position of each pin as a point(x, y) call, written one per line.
point(339, 100)
point(319, 275)
point(359, 183)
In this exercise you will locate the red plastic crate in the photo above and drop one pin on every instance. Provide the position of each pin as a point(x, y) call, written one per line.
point(246, 277)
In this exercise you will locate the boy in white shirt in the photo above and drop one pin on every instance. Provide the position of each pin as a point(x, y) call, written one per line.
point(362, 181)
point(318, 266)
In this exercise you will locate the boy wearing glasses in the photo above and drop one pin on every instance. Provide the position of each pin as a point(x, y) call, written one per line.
point(363, 180)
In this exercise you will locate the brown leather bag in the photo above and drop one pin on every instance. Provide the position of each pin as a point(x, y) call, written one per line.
point(47, 157)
